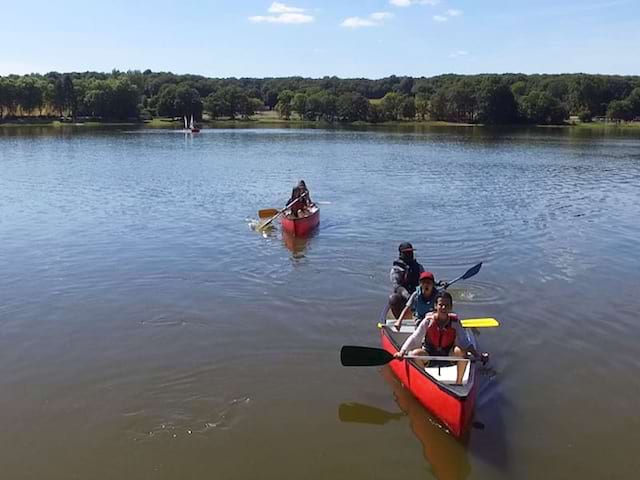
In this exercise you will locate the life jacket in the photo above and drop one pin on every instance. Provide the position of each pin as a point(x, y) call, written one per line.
point(442, 338)
point(410, 273)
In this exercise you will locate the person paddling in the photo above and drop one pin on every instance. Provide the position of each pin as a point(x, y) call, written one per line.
point(404, 276)
point(300, 200)
point(441, 334)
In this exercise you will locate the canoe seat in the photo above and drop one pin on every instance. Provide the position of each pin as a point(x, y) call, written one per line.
point(448, 375)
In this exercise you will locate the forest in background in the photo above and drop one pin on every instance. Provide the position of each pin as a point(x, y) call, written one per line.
point(473, 99)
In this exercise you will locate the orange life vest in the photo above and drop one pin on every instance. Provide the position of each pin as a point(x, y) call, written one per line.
point(442, 338)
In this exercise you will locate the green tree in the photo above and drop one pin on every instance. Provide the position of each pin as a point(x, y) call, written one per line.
point(8, 98)
point(438, 106)
point(187, 101)
point(408, 108)
point(123, 99)
point(634, 100)
point(542, 108)
point(283, 107)
point(251, 107)
point(216, 106)
point(166, 101)
point(461, 102)
point(30, 94)
point(229, 101)
point(422, 105)
point(351, 107)
point(496, 104)
point(620, 110)
point(376, 113)
point(585, 94)
point(392, 105)
point(299, 104)
point(69, 93)
point(519, 88)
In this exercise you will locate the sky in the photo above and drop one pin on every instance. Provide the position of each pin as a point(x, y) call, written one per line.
point(313, 38)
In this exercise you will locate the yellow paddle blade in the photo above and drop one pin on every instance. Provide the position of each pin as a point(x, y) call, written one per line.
point(267, 212)
point(469, 323)
point(479, 322)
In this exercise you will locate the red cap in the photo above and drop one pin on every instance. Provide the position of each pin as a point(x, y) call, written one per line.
point(428, 275)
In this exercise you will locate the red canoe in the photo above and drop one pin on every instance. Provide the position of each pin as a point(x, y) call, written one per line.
point(303, 226)
point(434, 386)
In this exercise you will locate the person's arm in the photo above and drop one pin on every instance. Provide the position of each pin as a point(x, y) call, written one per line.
point(396, 276)
point(414, 306)
point(415, 339)
point(461, 338)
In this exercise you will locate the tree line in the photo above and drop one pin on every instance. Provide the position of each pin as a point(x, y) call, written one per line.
point(486, 99)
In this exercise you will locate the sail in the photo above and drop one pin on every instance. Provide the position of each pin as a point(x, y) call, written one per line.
point(185, 122)
point(191, 124)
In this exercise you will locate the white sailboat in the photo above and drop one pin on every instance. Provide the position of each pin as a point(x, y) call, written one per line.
point(192, 126)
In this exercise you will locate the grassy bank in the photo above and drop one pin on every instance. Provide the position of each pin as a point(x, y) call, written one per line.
point(272, 118)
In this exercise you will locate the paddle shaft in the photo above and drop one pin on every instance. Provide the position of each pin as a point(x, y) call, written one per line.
point(357, 356)
point(436, 358)
point(268, 222)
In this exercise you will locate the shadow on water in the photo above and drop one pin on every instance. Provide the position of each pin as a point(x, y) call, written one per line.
point(488, 440)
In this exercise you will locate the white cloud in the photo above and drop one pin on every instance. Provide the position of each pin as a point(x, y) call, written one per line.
point(380, 16)
point(459, 53)
point(357, 22)
point(283, 14)
point(452, 12)
point(277, 7)
point(374, 20)
point(407, 3)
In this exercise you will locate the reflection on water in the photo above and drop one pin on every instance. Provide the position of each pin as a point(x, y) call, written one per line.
point(298, 245)
point(361, 413)
point(447, 457)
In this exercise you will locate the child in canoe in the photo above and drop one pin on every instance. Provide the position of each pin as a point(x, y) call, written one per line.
point(441, 334)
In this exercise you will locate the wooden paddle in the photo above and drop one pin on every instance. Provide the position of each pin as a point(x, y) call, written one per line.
point(267, 212)
point(262, 226)
point(354, 356)
point(468, 274)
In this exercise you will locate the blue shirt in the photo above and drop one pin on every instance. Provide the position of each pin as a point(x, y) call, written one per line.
point(421, 306)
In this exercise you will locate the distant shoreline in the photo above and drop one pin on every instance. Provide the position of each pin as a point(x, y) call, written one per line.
point(259, 120)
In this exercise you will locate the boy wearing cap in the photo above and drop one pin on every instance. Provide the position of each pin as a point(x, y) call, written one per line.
point(425, 300)
point(404, 275)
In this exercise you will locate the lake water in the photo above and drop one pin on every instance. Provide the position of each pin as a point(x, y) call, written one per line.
point(146, 331)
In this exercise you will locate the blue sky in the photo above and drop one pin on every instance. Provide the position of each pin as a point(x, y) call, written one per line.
point(366, 38)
